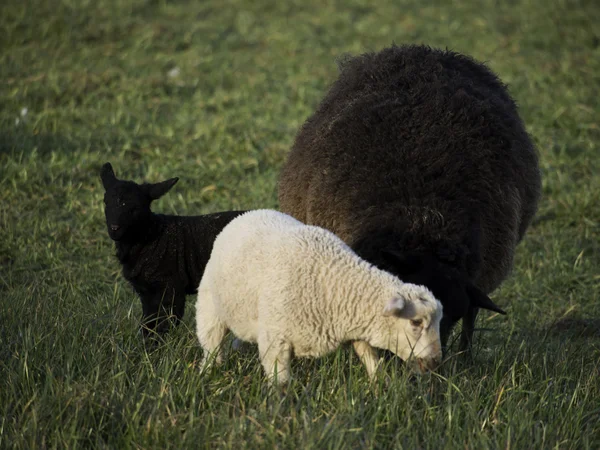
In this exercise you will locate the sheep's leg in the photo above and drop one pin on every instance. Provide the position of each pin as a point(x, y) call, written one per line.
point(162, 309)
point(368, 356)
point(210, 329)
point(275, 355)
point(153, 320)
point(178, 308)
point(210, 339)
point(468, 327)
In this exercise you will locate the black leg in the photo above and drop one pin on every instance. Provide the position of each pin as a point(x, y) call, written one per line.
point(161, 310)
point(178, 308)
point(468, 326)
point(446, 326)
point(151, 313)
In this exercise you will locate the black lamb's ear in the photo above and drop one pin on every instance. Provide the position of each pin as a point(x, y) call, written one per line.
point(107, 175)
point(480, 300)
point(157, 190)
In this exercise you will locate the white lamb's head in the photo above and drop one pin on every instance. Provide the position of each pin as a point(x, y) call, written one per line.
point(412, 327)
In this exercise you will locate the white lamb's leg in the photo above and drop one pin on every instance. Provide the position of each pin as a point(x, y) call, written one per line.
point(368, 356)
point(275, 354)
point(210, 329)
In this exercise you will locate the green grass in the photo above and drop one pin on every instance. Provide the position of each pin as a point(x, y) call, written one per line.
point(94, 77)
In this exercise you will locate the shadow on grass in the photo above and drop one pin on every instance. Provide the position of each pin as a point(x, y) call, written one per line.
point(12, 142)
point(576, 327)
point(25, 140)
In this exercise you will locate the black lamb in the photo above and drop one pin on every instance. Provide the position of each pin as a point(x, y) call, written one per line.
point(418, 159)
point(163, 256)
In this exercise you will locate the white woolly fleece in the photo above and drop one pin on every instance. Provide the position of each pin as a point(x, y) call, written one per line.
point(293, 287)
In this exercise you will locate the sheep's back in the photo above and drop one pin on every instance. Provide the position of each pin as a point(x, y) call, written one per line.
point(421, 140)
point(254, 260)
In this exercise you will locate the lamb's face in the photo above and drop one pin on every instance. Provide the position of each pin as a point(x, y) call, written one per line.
point(125, 207)
point(412, 328)
point(127, 204)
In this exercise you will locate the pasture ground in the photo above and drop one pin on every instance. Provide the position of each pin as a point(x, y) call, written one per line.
point(213, 92)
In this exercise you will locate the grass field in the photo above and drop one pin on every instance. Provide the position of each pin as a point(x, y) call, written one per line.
point(213, 92)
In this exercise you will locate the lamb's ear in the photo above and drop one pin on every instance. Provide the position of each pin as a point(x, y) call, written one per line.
point(157, 190)
point(480, 300)
point(394, 307)
point(107, 175)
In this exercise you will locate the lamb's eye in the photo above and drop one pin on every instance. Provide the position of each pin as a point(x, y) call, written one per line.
point(416, 323)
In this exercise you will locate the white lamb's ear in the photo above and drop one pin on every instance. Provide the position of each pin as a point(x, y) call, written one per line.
point(394, 307)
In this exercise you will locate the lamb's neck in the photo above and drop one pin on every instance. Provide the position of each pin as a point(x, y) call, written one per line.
point(365, 291)
point(139, 238)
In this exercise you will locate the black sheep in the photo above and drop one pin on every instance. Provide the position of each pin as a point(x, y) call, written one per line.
point(418, 159)
point(163, 256)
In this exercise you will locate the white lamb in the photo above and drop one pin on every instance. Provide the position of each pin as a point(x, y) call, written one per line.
point(293, 287)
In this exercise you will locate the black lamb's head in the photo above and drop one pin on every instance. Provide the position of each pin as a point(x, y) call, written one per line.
point(127, 204)
point(456, 293)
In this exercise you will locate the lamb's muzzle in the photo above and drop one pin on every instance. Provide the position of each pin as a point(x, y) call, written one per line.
point(427, 364)
point(431, 359)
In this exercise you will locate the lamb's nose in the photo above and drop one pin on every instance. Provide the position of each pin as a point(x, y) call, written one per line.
point(114, 227)
point(425, 365)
